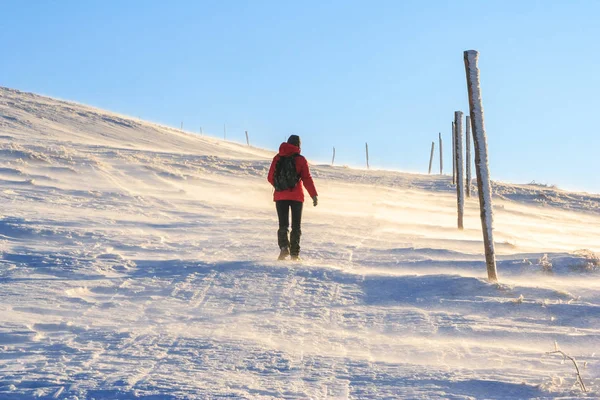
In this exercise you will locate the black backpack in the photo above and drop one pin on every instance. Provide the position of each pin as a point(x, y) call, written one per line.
point(285, 177)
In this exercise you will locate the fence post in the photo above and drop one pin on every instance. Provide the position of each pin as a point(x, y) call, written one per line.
point(441, 155)
point(468, 159)
point(453, 154)
point(333, 158)
point(431, 156)
point(460, 177)
point(482, 167)
point(247, 139)
point(367, 151)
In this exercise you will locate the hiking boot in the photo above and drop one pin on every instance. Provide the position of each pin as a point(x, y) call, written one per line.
point(296, 257)
point(285, 251)
point(295, 241)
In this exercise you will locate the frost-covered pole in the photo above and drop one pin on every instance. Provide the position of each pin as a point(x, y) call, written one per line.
point(247, 139)
point(333, 158)
point(431, 156)
point(453, 154)
point(481, 160)
point(441, 155)
point(367, 151)
point(468, 160)
point(460, 173)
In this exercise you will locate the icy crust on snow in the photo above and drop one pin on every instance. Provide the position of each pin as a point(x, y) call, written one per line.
point(132, 272)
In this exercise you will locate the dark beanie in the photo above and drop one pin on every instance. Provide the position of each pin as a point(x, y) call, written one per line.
point(295, 140)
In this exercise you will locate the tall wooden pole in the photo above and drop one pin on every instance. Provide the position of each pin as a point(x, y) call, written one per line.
point(431, 156)
point(453, 154)
point(247, 139)
point(441, 155)
point(482, 167)
point(468, 159)
point(367, 151)
point(333, 158)
point(460, 177)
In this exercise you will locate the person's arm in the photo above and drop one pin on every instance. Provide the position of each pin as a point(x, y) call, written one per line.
point(271, 176)
point(307, 179)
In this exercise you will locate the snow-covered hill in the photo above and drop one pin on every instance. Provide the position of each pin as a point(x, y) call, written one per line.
point(137, 262)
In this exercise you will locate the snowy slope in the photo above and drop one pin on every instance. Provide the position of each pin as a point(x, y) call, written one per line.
point(137, 262)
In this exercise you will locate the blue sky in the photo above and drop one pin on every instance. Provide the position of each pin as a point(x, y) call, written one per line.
point(338, 73)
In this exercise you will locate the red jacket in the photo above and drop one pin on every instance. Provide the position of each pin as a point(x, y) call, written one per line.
point(297, 192)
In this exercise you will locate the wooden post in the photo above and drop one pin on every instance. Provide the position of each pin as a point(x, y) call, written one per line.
point(468, 158)
point(247, 139)
point(181, 125)
point(201, 130)
point(333, 158)
point(224, 132)
point(453, 154)
point(367, 151)
point(441, 155)
point(431, 156)
point(460, 177)
point(482, 167)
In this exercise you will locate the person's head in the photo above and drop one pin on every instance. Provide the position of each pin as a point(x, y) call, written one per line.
point(295, 140)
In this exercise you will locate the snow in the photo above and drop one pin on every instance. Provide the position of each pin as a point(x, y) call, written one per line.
point(138, 262)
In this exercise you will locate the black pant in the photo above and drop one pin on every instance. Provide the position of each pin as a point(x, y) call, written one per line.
point(283, 212)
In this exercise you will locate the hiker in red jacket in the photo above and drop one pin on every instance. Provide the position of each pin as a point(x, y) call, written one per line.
point(289, 170)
